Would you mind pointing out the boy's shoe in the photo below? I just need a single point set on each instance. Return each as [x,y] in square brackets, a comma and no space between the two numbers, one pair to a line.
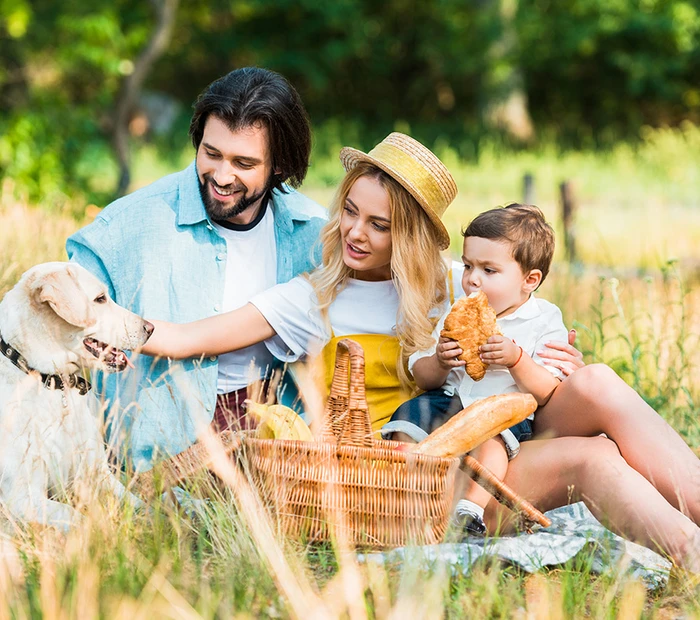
[474,526]
[467,519]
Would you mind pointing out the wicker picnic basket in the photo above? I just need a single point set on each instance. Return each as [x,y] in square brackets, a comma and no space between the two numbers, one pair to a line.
[348,484]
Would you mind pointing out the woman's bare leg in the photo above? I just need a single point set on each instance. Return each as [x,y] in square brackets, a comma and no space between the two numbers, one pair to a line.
[556,472]
[595,400]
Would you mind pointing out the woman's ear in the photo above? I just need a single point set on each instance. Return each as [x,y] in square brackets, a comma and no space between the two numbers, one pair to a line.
[532,280]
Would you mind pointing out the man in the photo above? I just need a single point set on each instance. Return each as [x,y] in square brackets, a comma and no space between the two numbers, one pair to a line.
[203,241]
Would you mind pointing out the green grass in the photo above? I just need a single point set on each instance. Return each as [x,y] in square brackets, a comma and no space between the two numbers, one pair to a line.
[633,309]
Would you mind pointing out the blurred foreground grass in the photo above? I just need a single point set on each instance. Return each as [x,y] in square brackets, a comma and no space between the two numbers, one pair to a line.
[633,309]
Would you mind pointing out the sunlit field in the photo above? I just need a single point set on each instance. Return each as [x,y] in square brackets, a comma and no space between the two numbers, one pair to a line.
[634,298]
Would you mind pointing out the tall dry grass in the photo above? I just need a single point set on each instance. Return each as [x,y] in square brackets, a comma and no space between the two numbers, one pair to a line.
[28,236]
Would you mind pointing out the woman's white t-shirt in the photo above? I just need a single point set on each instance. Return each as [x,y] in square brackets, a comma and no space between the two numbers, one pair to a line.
[292,310]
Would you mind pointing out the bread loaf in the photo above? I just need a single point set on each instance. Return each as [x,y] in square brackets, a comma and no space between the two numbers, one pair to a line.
[477,423]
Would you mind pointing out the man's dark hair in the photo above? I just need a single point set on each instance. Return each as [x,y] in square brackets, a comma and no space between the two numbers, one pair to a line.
[252,96]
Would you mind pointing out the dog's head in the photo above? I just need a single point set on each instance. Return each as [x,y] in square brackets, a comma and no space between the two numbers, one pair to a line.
[60,318]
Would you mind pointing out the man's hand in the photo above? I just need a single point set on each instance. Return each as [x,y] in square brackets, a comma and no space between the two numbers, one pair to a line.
[499,350]
[563,356]
[447,353]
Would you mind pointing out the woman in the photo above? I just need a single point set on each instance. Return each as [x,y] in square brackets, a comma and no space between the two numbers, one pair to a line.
[382,282]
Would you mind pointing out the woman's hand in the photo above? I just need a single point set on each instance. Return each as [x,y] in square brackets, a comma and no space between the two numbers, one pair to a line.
[500,350]
[447,353]
[563,356]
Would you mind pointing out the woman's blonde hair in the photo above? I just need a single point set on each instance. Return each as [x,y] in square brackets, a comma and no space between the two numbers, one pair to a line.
[417,269]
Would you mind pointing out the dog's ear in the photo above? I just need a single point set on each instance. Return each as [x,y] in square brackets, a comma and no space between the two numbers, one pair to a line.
[61,291]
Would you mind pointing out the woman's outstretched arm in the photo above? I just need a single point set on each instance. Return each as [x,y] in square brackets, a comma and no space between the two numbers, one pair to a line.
[215,335]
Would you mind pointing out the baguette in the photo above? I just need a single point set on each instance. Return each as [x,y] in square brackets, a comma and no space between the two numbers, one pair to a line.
[477,423]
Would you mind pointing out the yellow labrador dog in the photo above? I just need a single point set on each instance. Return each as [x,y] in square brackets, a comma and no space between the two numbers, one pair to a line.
[57,321]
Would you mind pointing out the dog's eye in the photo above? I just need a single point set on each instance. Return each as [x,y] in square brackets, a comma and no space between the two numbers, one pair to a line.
[101,299]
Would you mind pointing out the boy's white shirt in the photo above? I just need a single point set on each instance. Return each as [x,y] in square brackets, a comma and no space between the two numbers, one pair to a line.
[532,325]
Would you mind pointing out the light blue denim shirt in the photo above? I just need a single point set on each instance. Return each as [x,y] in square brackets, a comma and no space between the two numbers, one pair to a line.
[161,258]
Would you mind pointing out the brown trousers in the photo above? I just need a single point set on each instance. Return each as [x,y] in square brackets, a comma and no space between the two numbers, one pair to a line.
[231,410]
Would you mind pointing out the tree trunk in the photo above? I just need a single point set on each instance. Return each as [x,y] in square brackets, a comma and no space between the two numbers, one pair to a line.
[506,106]
[166,11]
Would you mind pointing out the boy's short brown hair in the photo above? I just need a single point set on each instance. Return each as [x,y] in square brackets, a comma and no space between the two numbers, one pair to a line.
[524,227]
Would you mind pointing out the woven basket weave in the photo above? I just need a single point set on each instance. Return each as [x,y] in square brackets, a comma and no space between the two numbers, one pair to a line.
[347,483]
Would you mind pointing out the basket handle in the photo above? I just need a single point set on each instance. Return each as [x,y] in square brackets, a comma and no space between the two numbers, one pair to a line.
[501,491]
[347,414]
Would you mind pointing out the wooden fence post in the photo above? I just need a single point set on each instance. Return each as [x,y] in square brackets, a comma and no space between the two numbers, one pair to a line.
[568,209]
[528,189]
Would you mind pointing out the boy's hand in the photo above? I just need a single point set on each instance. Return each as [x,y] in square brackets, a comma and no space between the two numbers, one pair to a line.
[447,353]
[499,350]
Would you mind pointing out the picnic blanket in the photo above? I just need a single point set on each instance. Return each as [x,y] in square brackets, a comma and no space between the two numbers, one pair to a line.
[574,531]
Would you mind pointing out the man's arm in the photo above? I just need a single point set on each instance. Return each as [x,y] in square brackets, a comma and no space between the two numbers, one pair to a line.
[81,251]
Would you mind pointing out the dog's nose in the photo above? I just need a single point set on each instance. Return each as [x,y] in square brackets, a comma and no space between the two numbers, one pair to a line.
[148,328]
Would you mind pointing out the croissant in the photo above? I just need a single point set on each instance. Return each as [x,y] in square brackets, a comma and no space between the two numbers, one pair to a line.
[471,322]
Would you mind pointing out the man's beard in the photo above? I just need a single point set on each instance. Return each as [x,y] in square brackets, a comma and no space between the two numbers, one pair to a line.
[218,210]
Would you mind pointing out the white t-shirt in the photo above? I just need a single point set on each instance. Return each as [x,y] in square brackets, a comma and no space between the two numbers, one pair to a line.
[251,267]
[532,325]
[292,311]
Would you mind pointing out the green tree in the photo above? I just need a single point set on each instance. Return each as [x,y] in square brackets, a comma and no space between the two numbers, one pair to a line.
[68,60]
[597,70]
[586,72]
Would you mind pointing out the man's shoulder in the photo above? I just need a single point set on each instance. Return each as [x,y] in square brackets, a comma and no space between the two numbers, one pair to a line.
[163,191]
[299,206]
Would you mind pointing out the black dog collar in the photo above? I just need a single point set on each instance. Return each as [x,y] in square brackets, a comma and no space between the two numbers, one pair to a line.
[51,382]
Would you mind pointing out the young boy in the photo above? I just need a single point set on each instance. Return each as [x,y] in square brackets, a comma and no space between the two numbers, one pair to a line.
[507,255]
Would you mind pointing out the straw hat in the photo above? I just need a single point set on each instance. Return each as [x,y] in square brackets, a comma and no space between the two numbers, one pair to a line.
[417,169]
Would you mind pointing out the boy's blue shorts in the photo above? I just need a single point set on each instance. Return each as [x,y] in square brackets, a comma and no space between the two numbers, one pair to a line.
[522,430]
